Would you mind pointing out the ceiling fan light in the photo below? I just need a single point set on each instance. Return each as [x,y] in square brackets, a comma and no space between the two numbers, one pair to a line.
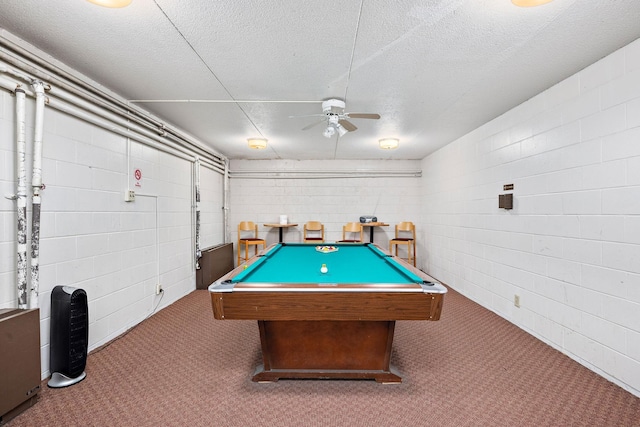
[111,3]
[329,132]
[530,3]
[341,130]
[389,143]
[257,143]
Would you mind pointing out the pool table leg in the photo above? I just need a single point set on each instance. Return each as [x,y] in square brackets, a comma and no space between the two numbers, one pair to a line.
[326,349]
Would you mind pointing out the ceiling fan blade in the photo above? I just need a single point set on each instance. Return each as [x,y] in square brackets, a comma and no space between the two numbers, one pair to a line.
[308,115]
[312,125]
[363,116]
[348,125]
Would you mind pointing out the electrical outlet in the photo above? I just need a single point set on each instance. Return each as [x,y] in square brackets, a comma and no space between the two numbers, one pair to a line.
[129,195]
[158,289]
[516,300]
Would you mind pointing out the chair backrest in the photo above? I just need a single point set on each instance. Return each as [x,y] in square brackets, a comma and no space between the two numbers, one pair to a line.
[246,226]
[316,228]
[405,227]
[351,228]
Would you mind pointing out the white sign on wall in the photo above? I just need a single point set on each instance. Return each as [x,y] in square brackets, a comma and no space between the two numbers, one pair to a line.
[137,176]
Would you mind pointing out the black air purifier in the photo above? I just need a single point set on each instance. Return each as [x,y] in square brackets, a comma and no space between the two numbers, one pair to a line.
[69,336]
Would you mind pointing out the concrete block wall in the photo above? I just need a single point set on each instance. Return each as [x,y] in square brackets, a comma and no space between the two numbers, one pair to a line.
[90,237]
[332,201]
[570,248]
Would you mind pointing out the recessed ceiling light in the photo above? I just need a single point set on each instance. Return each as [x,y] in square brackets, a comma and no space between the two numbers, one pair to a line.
[530,3]
[257,143]
[389,143]
[111,3]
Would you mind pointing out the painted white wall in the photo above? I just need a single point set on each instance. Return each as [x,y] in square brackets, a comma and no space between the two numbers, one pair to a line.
[90,237]
[570,248]
[332,201]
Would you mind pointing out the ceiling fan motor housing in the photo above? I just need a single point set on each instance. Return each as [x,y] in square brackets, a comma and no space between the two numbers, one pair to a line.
[335,106]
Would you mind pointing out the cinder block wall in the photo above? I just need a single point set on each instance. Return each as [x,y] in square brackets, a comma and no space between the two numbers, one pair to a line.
[90,237]
[570,248]
[332,201]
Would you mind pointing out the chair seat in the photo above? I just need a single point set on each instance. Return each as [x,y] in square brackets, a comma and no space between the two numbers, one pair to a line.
[251,239]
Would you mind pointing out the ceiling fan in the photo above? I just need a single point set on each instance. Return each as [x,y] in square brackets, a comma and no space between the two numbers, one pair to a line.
[335,117]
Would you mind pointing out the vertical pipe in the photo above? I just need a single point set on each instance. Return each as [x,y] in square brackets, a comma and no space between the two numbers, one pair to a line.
[36,185]
[21,198]
[225,201]
[197,188]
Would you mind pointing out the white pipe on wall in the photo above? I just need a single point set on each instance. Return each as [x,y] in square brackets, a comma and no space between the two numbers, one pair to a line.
[36,185]
[326,174]
[156,131]
[21,198]
[112,122]
[124,121]
[131,128]
[44,70]
[197,190]
[98,121]
[225,201]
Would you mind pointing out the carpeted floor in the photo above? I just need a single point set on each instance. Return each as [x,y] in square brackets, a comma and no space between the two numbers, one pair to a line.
[472,368]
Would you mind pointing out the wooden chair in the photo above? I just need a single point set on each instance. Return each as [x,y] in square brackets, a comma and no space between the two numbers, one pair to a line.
[313,232]
[405,235]
[248,236]
[352,233]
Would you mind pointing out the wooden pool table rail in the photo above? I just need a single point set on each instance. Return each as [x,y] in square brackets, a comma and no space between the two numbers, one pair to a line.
[326,305]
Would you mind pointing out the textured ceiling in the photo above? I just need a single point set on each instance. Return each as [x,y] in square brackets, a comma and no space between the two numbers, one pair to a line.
[225,71]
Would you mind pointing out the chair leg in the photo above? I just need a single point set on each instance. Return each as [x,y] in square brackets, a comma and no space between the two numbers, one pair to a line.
[414,253]
[411,254]
[246,253]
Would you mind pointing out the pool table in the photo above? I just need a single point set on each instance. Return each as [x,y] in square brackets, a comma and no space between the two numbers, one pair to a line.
[337,323]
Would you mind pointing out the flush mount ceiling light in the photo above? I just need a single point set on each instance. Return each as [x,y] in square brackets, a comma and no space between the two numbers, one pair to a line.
[111,3]
[257,143]
[530,3]
[389,143]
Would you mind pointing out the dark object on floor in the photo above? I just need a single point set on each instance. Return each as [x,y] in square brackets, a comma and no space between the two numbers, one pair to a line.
[69,336]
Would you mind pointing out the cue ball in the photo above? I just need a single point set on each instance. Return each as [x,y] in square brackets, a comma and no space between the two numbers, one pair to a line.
[324,269]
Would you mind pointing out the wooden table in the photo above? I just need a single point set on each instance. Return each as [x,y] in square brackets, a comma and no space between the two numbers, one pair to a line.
[280,227]
[371,225]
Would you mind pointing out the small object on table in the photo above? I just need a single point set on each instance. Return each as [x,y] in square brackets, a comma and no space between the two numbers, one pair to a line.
[326,249]
[324,269]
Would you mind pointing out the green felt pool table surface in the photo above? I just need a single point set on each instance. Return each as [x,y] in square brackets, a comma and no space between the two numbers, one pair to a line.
[349,263]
